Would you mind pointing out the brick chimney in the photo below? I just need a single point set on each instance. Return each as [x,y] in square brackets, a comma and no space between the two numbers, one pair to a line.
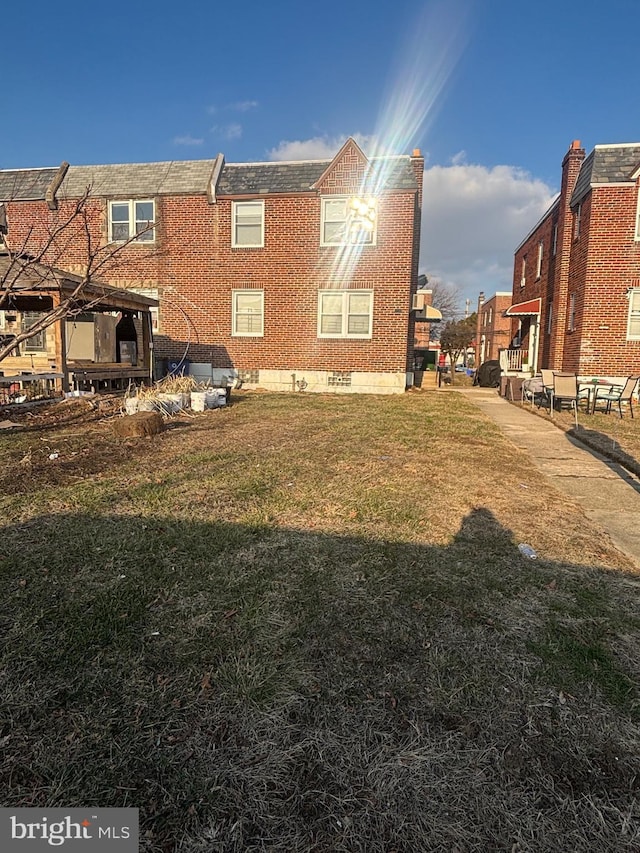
[571,165]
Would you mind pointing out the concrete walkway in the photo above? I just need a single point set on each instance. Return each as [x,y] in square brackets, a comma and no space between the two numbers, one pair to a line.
[609,494]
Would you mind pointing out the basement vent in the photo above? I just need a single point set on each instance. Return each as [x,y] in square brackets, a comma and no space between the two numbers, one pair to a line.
[251,377]
[339,377]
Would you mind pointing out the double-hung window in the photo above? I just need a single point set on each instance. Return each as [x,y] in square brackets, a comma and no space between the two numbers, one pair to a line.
[37,342]
[633,319]
[539,261]
[132,220]
[248,313]
[152,293]
[347,220]
[345,313]
[577,220]
[247,230]
[571,326]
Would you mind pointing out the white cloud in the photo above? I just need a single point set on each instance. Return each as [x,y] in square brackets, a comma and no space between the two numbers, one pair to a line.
[473,219]
[227,131]
[242,106]
[187,139]
[318,148]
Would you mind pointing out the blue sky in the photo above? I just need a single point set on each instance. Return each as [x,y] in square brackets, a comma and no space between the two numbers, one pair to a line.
[492,91]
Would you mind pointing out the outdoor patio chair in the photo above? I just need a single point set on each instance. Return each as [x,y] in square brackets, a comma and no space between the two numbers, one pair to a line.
[617,394]
[547,387]
[533,391]
[566,392]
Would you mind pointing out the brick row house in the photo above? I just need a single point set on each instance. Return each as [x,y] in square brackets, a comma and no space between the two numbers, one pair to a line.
[576,287]
[288,276]
[493,328]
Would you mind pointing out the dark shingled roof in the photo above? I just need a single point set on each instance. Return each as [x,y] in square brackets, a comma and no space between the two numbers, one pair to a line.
[300,176]
[25,184]
[192,177]
[606,164]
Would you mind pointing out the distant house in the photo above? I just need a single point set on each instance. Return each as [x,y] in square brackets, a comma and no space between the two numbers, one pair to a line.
[288,276]
[576,287]
[493,329]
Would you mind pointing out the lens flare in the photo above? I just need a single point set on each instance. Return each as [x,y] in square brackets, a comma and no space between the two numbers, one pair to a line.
[426,60]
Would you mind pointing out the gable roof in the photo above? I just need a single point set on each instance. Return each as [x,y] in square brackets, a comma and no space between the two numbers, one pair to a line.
[606,164]
[195,177]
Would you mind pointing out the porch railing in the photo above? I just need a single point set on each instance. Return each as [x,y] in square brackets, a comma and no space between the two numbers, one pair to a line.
[511,359]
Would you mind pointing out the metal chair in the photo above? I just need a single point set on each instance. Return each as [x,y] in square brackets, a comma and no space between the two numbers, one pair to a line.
[617,394]
[566,391]
[547,387]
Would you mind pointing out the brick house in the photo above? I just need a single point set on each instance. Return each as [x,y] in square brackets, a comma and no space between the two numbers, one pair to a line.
[288,276]
[576,286]
[493,329]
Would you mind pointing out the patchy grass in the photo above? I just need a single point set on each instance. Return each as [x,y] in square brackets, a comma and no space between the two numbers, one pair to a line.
[615,437]
[303,624]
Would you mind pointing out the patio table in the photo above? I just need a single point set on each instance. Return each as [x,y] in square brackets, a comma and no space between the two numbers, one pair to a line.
[592,386]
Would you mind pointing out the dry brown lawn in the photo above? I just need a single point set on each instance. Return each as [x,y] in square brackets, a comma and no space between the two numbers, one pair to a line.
[303,624]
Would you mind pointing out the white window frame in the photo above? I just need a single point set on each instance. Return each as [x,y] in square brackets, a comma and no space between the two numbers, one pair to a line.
[571,325]
[633,314]
[365,238]
[236,312]
[149,233]
[152,293]
[539,261]
[637,235]
[238,208]
[523,272]
[345,313]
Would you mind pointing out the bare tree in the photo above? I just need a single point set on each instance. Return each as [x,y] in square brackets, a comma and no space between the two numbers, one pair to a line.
[456,336]
[38,259]
[446,298]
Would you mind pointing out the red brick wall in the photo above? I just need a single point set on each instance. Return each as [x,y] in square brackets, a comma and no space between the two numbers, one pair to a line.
[605,261]
[495,328]
[196,270]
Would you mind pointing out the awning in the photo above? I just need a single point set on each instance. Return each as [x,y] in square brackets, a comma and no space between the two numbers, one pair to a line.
[525,309]
[429,314]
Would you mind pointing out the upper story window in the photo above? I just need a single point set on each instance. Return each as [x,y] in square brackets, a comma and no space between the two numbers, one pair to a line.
[248,313]
[490,316]
[347,220]
[571,326]
[247,230]
[523,271]
[345,313]
[539,261]
[132,220]
[638,218]
[633,319]
[577,220]
[554,240]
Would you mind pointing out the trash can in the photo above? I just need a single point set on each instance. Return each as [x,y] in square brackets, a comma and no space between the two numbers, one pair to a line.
[177,367]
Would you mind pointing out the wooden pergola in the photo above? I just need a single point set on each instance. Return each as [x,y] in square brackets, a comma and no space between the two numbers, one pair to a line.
[37,288]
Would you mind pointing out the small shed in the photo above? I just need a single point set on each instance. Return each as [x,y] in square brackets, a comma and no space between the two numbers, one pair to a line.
[103,337]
